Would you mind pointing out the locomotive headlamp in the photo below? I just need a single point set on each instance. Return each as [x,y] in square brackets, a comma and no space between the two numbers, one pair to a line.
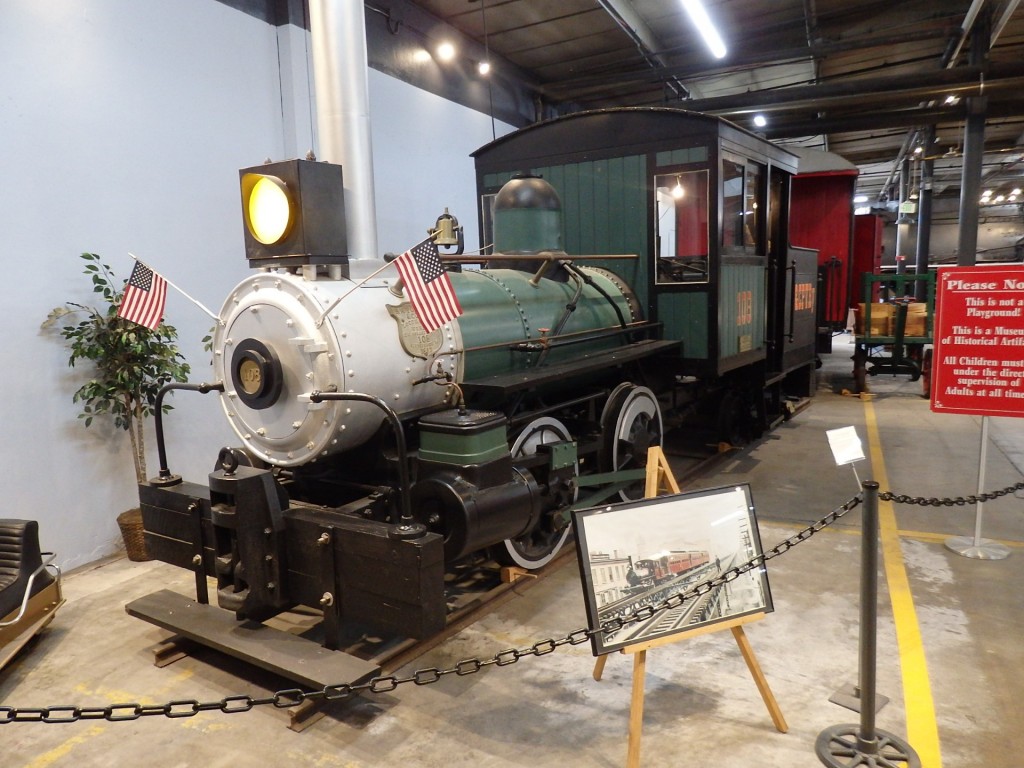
[269,213]
[294,213]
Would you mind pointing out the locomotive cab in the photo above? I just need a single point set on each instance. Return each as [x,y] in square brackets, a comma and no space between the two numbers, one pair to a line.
[693,212]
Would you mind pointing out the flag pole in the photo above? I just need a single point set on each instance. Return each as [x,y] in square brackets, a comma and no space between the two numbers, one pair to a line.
[337,301]
[194,301]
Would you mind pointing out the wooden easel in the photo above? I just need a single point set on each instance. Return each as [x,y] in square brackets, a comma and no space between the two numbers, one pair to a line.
[659,476]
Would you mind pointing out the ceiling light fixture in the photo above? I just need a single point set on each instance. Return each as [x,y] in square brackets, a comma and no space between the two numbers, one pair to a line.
[707,30]
[760,121]
[446,51]
[484,67]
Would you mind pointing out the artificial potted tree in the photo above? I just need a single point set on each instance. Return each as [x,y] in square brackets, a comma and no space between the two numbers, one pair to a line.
[131,362]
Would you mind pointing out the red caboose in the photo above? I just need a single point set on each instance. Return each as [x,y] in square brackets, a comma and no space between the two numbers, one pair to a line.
[676,563]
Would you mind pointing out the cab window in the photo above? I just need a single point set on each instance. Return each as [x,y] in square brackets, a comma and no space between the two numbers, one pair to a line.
[681,227]
[743,207]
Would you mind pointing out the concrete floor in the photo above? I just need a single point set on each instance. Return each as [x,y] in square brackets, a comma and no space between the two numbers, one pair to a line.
[955,696]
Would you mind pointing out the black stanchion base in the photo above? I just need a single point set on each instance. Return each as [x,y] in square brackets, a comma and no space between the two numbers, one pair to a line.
[842,747]
[849,696]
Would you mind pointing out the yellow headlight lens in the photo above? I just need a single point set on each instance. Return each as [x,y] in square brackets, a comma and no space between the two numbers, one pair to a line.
[270,210]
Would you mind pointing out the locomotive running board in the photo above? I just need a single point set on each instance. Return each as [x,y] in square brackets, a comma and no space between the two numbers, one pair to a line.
[290,656]
[505,384]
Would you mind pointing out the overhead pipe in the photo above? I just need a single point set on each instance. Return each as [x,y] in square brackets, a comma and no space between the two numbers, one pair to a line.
[811,34]
[948,59]
[1008,11]
[338,35]
[623,14]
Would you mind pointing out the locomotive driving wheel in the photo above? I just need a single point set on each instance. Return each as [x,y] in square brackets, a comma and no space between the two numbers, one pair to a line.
[535,548]
[631,424]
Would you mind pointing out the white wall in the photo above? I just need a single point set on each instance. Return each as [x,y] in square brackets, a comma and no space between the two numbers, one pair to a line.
[123,124]
[421,147]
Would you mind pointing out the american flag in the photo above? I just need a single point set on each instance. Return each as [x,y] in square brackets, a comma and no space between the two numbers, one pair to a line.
[144,297]
[427,285]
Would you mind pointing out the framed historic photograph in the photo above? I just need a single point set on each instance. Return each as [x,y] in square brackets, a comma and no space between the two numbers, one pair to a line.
[639,553]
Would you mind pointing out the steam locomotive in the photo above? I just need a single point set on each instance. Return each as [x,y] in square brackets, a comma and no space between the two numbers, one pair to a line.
[637,276]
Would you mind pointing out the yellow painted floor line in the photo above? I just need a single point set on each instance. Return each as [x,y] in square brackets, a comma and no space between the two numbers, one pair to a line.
[940,538]
[922,730]
[51,756]
[929,536]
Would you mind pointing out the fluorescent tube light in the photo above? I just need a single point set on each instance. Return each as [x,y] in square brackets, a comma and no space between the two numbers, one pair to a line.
[707,30]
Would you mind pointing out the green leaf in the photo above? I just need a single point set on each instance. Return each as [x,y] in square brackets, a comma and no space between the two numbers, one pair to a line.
[130,363]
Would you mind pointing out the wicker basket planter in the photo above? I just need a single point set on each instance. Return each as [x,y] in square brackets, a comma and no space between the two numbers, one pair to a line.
[130,523]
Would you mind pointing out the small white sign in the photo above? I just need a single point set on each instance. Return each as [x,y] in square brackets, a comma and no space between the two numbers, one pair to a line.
[845,445]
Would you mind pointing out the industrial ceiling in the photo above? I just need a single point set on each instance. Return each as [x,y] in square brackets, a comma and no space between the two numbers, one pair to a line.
[864,79]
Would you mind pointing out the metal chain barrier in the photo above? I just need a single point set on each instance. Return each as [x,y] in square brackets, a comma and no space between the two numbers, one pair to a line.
[291,697]
[959,501]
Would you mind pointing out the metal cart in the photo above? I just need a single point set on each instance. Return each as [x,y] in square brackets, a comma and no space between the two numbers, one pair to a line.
[883,343]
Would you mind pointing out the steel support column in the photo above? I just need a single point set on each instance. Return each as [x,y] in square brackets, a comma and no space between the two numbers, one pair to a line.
[924,214]
[904,221]
[974,153]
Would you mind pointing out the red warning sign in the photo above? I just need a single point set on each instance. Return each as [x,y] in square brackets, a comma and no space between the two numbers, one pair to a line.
[978,360]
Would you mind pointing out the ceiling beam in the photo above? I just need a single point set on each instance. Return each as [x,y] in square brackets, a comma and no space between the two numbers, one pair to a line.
[743,60]
[965,81]
[800,126]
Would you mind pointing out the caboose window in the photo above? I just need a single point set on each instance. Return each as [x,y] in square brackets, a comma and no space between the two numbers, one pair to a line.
[733,207]
[753,206]
[487,216]
[681,227]
[743,207]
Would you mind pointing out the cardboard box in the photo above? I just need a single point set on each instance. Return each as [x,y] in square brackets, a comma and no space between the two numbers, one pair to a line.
[881,319]
[917,319]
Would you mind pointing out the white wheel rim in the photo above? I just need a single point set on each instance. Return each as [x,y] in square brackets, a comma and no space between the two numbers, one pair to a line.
[538,432]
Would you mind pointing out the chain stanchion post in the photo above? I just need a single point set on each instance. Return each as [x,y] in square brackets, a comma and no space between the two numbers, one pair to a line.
[846,746]
[976,547]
